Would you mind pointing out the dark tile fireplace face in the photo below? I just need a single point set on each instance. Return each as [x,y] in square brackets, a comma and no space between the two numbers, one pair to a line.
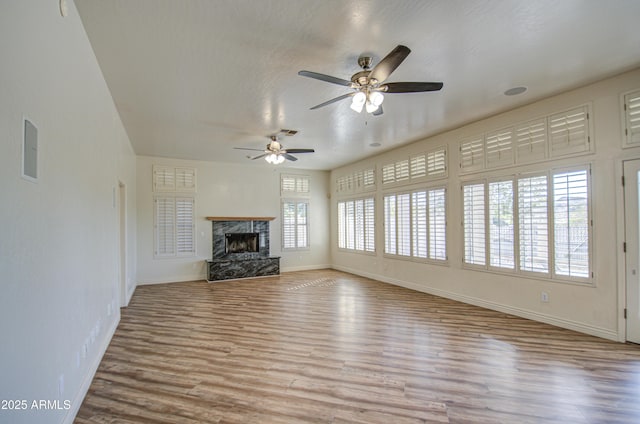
[242,242]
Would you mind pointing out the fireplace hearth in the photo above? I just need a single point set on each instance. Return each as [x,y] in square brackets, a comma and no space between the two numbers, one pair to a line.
[241,249]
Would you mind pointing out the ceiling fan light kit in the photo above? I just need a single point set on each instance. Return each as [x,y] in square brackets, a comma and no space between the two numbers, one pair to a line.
[275,153]
[369,84]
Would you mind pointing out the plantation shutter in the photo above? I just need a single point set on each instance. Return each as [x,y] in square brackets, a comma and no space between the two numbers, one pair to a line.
[185,179]
[632,118]
[388,173]
[342,242]
[185,226]
[437,224]
[501,253]
[419,227]
[165,226]
[351,233]
[418,166]
[499,148]
[402,170]
[571,224]
[369,225]
[302,185]
[288,225]
[403,218]
[474,224]
[531,141]
[472,154]
[569,132]
[533,225]
[437,163]
[369,178]
[390,242]
[163,178]
[359,224]
[302,236]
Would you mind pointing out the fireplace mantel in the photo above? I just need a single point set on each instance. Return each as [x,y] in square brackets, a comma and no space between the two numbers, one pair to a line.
[241,218]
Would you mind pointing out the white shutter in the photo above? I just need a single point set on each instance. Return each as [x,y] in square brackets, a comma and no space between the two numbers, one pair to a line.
[390,242]
[402,170]
[569,132]
[403,218]
[531,141]
[437,163]
[165,214]
[302,227]
[419,224]
[369,177]
[632,118]
[499,148]
[359,225]
[369,225]
[163,178]
[185,226]
[437,224]
[351,231]
[185,179]
[358,178]
[418,166]
[533,224]
[571,224]
[302,185]
[287,184]
[288,225]
[501,253]
[342,235]
[474,224]
[472,154]
[388,173]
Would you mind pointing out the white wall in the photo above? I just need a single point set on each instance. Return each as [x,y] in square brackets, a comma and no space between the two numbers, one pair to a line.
[59,239]
[590,309]
[230,190]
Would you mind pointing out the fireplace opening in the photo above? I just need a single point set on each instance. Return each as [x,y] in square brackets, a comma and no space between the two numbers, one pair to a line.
[242,242]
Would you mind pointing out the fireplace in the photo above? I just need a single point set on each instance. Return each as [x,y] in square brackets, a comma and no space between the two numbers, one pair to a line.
[241,242]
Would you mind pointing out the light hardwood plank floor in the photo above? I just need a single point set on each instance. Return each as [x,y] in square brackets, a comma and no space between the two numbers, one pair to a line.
[330,347]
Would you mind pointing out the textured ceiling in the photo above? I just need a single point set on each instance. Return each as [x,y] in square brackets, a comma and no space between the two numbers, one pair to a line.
[194,78]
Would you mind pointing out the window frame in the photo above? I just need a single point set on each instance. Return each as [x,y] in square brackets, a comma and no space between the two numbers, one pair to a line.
[368,229]
[160,253]
[296,225]
[551,224]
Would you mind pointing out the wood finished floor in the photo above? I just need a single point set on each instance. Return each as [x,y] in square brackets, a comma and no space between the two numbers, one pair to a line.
[329,347]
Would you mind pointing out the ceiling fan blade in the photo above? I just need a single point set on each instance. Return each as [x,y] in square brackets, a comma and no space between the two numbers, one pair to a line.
[378,111]
[300,150]
[386,66]
[288,156]
[259,156]
[323,77]
[246,148]
[410,87]
[328,102]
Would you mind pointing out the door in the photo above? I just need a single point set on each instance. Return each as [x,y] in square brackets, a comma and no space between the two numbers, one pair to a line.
[631,172]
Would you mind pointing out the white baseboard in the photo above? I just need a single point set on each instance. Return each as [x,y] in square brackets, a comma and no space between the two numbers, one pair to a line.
[305,268]
[524,313]
[174,279]
[93,368]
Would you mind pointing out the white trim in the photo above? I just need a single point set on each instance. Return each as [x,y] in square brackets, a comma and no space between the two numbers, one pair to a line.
[304,268]
[29,178]
[523,313]
[174,279]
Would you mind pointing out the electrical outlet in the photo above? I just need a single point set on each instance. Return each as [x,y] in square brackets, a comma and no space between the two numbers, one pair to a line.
[544,297]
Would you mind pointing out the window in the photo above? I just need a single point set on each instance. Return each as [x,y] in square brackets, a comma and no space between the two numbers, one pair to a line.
[548,212]
[356,223]
[631,106]
[174,226]
[295,224]
[415,224]
[174,218]
[295,212]
[430,166]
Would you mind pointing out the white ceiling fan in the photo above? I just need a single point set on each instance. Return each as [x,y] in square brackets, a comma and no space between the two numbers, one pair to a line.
[275,153]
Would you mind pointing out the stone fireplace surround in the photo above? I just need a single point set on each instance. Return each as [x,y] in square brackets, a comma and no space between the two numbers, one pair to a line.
[230,266]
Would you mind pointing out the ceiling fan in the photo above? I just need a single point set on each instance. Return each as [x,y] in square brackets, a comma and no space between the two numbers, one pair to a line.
[369,84]
[275,153]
